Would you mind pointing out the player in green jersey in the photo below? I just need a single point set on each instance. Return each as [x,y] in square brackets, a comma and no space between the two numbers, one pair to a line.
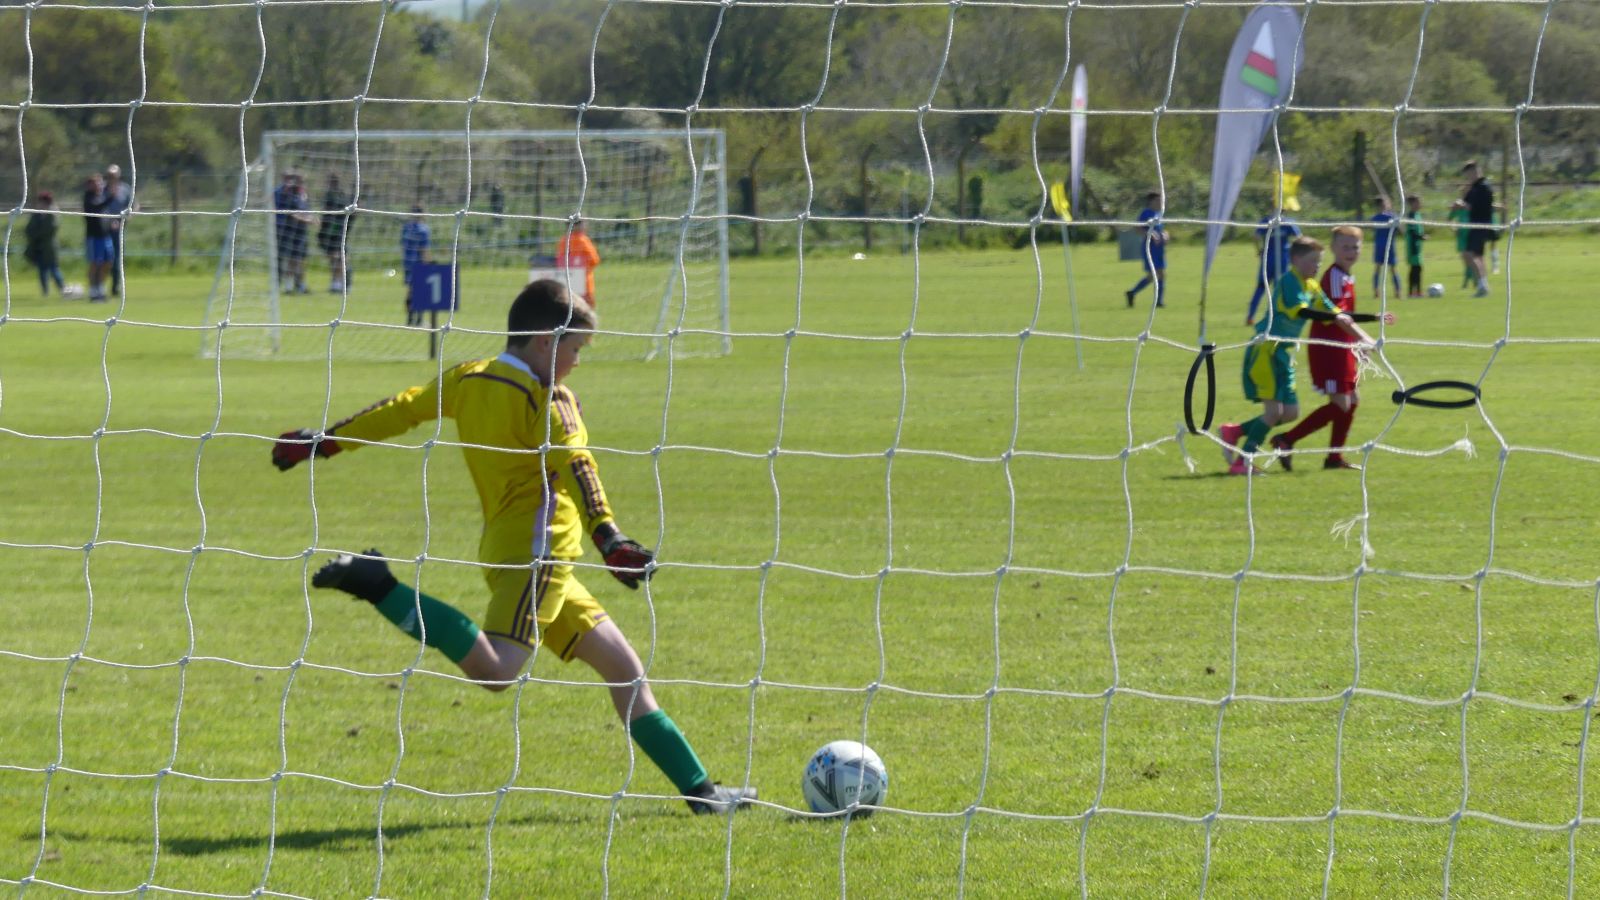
[1269,360]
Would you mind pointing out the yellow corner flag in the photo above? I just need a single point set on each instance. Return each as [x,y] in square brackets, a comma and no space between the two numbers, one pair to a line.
[1058,201]
[1289,192]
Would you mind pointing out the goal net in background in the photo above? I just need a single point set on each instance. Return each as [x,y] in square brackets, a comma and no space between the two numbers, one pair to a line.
[497,204]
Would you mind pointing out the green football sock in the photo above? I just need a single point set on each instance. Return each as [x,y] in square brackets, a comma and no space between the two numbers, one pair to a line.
[1255,431]
[448,629]
[658,736]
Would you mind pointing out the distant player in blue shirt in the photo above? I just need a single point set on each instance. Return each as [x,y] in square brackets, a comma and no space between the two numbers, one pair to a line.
[1272,246]
[1385,228]
[414,240]
[1155,250]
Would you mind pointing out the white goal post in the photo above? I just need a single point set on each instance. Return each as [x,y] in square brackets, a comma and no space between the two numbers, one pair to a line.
[313,249]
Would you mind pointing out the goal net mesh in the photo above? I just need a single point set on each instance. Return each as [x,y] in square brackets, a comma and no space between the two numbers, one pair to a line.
[922,506]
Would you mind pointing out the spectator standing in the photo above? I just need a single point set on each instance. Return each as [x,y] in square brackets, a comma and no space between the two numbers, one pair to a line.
[576,251]
[41,247]
[119,199]
[334,234]
[415,239]
[1478,199]
[293,224]
[96,239]
[497,203]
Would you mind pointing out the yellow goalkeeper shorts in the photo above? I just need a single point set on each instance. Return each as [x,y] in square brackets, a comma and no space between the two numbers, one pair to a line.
[542,603]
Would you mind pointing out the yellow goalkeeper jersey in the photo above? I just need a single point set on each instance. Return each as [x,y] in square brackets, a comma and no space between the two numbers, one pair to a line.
[534,501]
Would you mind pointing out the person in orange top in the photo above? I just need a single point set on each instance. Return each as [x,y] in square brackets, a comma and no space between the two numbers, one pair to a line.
[575,250]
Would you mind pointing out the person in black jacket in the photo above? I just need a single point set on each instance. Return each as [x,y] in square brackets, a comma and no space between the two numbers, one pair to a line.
[333,234]
[41,247]
[1478,201]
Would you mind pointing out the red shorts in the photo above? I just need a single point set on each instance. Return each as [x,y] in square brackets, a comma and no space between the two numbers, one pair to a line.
[1334,370]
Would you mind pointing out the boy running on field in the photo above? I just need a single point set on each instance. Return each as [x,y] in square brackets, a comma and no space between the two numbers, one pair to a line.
[1155,251]
[527,448]
[1335,368]
[1269,360]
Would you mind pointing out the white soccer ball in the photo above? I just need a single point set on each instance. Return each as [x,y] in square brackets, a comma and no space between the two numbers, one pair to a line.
[1436,290]
[843,774]
[859,256]
[71,291]
[389,273]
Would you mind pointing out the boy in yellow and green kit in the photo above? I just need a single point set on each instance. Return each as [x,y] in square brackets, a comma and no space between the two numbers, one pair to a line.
[527,448]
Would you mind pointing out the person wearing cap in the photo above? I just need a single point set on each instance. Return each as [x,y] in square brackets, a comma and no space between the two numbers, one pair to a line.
[1478,201]
[41,247]
[118,201]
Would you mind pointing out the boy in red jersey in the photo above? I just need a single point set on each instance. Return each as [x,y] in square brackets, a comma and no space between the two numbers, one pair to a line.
[1335,368]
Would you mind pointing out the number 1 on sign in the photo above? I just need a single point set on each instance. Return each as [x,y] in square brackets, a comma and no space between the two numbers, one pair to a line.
[433,287]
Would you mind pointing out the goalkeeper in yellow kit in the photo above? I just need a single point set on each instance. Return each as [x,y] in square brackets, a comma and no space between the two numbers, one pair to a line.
[527,448]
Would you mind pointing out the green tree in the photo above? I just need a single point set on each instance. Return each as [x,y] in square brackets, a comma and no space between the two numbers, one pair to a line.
[95,64]
[658,55]
[311,68]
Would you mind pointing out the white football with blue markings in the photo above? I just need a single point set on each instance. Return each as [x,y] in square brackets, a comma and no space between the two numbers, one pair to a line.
[844,776]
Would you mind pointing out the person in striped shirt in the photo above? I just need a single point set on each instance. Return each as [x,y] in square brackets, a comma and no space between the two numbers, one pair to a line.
[527,449]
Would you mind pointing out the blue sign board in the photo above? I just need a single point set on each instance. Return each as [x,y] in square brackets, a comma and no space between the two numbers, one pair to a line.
[433,287]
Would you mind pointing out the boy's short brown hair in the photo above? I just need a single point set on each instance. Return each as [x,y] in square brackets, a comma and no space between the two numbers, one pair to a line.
[1303,245]
[543,307]
[1347,231]
[1413,198]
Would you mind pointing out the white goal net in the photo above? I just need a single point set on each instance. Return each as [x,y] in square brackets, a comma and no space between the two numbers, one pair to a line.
[316,239]
[941,501]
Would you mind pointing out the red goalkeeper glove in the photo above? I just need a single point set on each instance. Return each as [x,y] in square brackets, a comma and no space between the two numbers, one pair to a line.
[295,447]
[627,559]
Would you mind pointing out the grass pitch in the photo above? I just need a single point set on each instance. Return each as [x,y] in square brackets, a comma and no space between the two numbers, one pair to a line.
[1084,664]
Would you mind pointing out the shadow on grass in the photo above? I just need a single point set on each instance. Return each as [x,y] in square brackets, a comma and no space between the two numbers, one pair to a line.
[304,839]
[324,838]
